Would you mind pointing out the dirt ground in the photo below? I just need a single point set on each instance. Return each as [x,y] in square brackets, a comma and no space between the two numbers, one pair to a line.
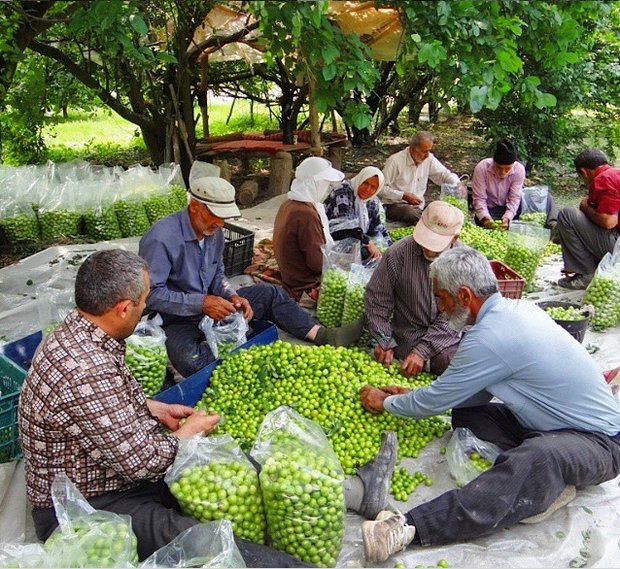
[457,146]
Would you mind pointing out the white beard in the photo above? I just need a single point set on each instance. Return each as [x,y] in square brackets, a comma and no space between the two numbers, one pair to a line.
[459,319]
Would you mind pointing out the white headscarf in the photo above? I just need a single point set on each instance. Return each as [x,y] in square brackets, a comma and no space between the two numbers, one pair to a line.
[360,204]
[310,186]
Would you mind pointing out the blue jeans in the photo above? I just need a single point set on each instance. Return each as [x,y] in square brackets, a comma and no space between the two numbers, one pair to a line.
[526,478]
[185,341]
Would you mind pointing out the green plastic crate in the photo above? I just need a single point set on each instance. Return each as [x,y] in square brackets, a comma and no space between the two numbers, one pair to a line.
[11,379]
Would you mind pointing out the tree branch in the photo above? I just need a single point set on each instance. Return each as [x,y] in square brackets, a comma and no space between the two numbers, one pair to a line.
[218,41]
[89,81]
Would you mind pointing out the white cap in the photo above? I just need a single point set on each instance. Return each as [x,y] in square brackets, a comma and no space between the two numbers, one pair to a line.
[316,168]
[217,194]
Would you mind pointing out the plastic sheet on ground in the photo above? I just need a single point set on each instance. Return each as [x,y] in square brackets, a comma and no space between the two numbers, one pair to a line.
[583,534]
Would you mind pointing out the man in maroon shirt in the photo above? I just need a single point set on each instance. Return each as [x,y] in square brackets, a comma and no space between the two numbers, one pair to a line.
[589,232]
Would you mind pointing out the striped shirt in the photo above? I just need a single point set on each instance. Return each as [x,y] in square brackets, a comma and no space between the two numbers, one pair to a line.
[400,306]
[82,413]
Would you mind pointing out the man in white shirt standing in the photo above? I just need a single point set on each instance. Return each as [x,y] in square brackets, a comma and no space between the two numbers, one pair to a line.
[406,176]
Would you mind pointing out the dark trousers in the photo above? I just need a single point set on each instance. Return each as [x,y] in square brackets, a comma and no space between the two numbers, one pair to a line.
[156,520]
[407,213]
[552,213]
[583,243]
[497,212]
[185,341]
[526,478]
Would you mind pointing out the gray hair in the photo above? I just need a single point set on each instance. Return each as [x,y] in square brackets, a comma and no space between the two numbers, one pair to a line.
[107,277]
[464,267]
[420,136]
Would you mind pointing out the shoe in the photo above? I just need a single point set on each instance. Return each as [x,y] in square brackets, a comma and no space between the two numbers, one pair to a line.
[376,475]
[576,282]
[343,336]
[387,535]
[567,495]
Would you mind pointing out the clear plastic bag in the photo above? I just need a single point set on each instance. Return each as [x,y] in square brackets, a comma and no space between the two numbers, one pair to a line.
[87,537]
[23,555]
[534,199]
[203,545]
[303,487]
[170,177]
[58,210]
[526,243]
[337,261]
[456,195]
[468,456]
[100,219]
[130,212]
[224,336]
[603,292]
[212,479]
[146,355]
[359,276]
[53,305]
[18,221]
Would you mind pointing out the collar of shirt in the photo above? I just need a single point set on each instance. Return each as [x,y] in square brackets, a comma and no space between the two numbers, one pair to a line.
[488,304]
[187,231]
[98,336]
[598,172]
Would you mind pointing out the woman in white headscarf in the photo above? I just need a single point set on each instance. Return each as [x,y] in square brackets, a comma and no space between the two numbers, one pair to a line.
[354,210]
[301,227]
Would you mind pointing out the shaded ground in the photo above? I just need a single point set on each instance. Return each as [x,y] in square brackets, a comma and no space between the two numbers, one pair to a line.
[457,146]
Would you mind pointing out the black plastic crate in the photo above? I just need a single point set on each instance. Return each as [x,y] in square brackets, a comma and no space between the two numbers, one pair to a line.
[11,379]
[238,250]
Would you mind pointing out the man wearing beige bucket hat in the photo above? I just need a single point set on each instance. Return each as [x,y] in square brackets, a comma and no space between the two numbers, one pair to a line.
[184,252]
[401,313]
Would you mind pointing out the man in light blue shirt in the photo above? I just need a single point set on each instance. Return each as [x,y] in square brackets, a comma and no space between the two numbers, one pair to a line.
[184,252]
[558,424]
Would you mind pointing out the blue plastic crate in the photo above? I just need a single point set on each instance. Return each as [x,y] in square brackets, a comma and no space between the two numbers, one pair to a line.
[22,351]
[11,380]
[190,390]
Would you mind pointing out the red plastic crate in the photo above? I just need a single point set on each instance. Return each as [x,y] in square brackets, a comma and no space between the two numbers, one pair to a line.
[510,282]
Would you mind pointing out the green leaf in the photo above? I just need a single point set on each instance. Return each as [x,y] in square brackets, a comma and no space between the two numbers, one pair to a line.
[166,57]
[138,24]
[329,72]
[330,53]
[477,98]
[360,120]
[432,53]
[416,38]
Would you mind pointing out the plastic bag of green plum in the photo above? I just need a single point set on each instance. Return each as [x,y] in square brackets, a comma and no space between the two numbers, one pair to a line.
[526,243]
[468,456]
[146,356]
[224,336]
[603,292]
[212,479]
[356,291]
[87,537]
[337,261]
[203,545]
[303,487]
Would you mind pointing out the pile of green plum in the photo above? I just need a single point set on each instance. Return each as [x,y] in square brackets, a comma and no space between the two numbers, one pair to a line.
[354,303]
[461,203]
[157,206]
[480,463]
[59,223]
[20,228]
[94,543]
[330,304]
[303,493]
[223,490]
[321,384]
[569,314]
[101,224]
[539,218]
[401,232]
[146,358]
[403,483]
[523,255]
[131,216]
[491,243]
[604,294]
[177,197]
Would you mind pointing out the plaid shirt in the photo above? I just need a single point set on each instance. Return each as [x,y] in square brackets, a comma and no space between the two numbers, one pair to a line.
[81,412]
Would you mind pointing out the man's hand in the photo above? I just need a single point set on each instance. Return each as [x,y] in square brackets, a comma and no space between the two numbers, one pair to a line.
[373,398]
[197,422]
[373,252]
[242,303]
[488,223]
[583,204]
[395,389]
[412,364]
[411,199]
[505,224]
[217,307]
[168,415]
[384,356]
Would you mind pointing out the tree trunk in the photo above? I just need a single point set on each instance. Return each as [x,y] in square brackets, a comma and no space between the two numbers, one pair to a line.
[154,136]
